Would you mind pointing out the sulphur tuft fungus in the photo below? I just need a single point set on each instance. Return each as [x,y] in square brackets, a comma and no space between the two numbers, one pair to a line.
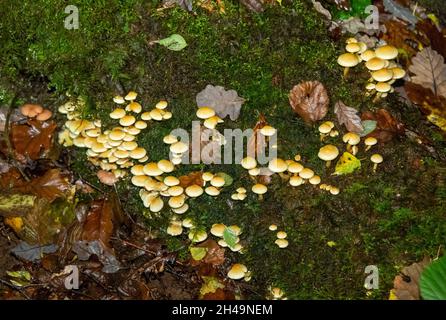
[376,159]
[237,271]
[328,153]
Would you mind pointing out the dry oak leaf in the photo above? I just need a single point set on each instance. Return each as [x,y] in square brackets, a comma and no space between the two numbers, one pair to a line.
[349,117]
[406,286]
[99,222]
[224,102]
[192,178]
[33,139]
[387,127]
[429,71]
[309,100]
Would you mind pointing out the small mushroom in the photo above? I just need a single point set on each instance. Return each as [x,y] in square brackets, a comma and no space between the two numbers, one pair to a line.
[272,227]
[328,153]
[259,189]
[281,243]
[369,142]
[348,60]
[237,271]
[44,115]
[376,159]
[248,163]
[351,139]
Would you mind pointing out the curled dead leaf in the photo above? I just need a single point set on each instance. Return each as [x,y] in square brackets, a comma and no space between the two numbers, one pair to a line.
[387,127]
[191,178]
[349,117]
[309,100]
[107,177]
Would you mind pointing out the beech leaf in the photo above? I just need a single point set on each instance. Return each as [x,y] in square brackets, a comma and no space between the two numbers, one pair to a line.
[309,100]
[407,285]
[349,117]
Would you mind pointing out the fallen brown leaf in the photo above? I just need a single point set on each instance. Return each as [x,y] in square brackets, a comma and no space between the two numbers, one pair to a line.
[257,141]
[406,285]
[191,178]
[349,117]
[309,100]
[98,223]
[435,37]
[387,127]
[33,139]
[215,254]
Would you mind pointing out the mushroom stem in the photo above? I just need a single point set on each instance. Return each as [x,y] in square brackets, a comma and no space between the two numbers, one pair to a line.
[374,167]
[260,197]
[354,150]
[349,147]
[367,148]
[346,70]
[328,164]
[323,136]
[377,97]
[283,176]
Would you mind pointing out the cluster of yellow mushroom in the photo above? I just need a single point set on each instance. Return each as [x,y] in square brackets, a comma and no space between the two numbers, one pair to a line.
[195,235]
[36,111]
[329,152]
[327,129]
[218,229]
[281,241]
[240,194]
[332,189]
[380,62]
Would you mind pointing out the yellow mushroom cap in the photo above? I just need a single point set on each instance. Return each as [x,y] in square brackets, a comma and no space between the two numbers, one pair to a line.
[367,55]
[241,190]
[296,181]
[217,229]
[197,235]
[352,47]
[375,64]
[138,153]
[155,114]
[222,243]
[277,165]
[306,173]
[171,181]
[161,105]
[118,99]
[328,152]
[175,191]
[174,230]
[254,172]
[376,158]
[277,293]
[140,125]
[170,139]
[383,87]
[351,40]
[166,166]
[121,154]
[137,170]
[370,86]
[398,73]
[98,147]
[259,188]
[93,133]
[236,230]
[167,115]
[362,46]
[387,52]
[131,96]
[207,176]
[188,223]
[237,271]
[116,135]
[118,113]
[217,181]
[351,138]
[281,243]
[177,201]
[134,107]
[370,141]
[205,112]
[248,163]
[181,209]
[129,145]
[146,116]
[127,120]
[324,128]
[295,167]
[179,147]
[212,191]
[281,235]
[334,190]
[272,227]
[348,60]
[382,75]
[268,131]
[156,205]
[194,191]
[211,122]
[314,180]
[139,181]
[151,169]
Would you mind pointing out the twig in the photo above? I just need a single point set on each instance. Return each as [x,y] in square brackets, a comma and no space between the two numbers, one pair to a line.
[6,283]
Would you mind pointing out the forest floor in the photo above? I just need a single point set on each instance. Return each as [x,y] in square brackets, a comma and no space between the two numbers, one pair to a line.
[390,218]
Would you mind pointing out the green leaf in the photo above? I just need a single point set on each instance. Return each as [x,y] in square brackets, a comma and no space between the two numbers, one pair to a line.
[357,10]
[369,126]
[347,163]
[198,253]
[19,275]
[16,204]
[175,42]
[210,285]
[228,179]
[230,237]
[433,281]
